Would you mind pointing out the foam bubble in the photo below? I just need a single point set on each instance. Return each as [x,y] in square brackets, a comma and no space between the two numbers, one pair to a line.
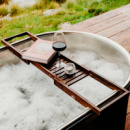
[29,100]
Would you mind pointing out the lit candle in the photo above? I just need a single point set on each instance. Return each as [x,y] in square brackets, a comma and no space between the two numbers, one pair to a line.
[70,68]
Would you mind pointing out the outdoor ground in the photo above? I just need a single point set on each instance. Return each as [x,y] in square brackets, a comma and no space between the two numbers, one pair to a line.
[31,18]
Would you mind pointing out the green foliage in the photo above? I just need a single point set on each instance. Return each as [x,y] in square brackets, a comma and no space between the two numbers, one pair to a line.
[3,10]
[1,24]
[61,12]
[78,8]
[70,4]
[72,11]
[40,4]
[4,1]
[95,4]
[14,10]
[56,23]
[53,5]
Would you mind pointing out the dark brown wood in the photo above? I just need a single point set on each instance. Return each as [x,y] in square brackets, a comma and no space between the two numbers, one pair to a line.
[76,79]
[18,53]
[128,108]
[114,100]
[63,81]
[127,127]
[106,82]
[76,96]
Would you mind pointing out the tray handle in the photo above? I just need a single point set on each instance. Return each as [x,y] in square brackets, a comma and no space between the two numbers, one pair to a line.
[20,35]
[13,49]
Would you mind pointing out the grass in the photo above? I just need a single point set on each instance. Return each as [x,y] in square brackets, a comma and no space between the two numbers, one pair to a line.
[53,5]
[32,19]
[40,4]
[3,10]
[70,4]
[14,10]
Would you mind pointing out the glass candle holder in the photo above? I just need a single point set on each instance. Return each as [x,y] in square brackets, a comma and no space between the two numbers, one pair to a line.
[69,68]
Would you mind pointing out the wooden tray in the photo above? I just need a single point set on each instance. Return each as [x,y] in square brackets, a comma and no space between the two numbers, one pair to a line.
[64,82]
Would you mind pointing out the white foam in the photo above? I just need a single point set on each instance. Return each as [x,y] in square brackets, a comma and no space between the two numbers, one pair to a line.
[29,100]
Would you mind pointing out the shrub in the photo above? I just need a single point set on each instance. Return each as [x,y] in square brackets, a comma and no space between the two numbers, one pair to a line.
[53,5]
[95,4]
[14,10]
[61,12]
[79,8]
[3,10]
[70,4]
[56,23]
[40,4]
[4,1]
[99,11]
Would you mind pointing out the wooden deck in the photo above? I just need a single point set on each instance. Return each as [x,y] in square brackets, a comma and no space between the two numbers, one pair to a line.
[115,25]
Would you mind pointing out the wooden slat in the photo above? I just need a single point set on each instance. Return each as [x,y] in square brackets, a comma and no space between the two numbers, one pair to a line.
[53,65]
[122,36]
[67,78]
[128,109]
[64,74]
[59,72]
[108,23]
[127,46]
[73,77]
[57,69]
[115,29]
[76,79]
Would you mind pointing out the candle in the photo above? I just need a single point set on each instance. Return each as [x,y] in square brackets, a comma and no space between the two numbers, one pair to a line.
[70,68]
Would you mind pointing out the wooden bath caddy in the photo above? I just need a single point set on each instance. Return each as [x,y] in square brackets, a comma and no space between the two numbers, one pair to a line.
[64,82]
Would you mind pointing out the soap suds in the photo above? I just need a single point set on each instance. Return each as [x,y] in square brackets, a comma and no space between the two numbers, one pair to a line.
[29,100]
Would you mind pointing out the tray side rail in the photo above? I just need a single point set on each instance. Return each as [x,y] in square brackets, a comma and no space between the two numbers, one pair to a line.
[15,51]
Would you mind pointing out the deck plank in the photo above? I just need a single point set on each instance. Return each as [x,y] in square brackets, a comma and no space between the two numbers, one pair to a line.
[127,126]
[108,23]
[128,109]
[115,29]
[121,37]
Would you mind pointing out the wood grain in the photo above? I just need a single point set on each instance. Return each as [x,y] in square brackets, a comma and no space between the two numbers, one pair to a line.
[115,29]
[128,108]
[121,37]
[127,126]
[107,23]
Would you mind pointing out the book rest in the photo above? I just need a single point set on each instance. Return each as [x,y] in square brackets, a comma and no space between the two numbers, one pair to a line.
[64,82]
